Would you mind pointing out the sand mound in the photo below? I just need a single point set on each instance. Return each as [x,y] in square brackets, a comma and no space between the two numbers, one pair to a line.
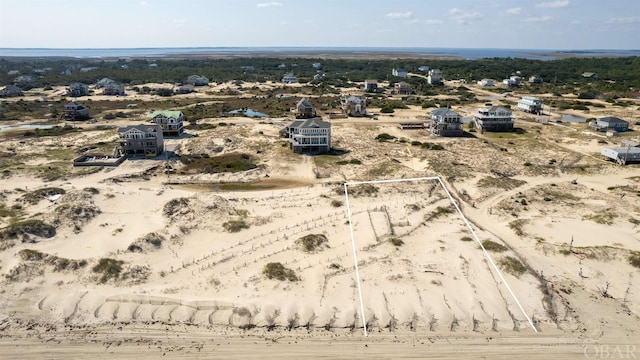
[75,209]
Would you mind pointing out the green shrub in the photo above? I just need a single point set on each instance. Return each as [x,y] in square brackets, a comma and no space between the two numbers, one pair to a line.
[438,212]
[396,242]
[493,246]
[634,259]
[466,238]
[512,266]
[385,137]
[31,227]
[312,242]
[277,271]
[109,268]
[34,197]
[336,203]
[235,225]
[30,255]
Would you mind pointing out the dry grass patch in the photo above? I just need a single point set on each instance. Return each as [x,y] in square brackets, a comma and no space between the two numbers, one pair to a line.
[313,243]
[512,265]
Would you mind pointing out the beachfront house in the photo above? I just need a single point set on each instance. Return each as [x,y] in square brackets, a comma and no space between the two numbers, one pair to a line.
[10,90]
[370,86]
[140,140]
[186,89]
[535,79]
[628,152]
[446,122]
[423,68]
[309,135]
[77,90]
[198,80]
[171,122]
[102,82]
[530,104]
[435,77]
[399,72]
[354,105]
[609,123]
[486,82]
[24,80]
[589,75]
[113,88]
[304,109]
[289,78]
[74,111]
[513,81]
[317,66]
[495,118]
[402,88]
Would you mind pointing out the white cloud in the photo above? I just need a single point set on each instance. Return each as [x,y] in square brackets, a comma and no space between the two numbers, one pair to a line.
[145,3]
[432,22]
[462,16]
[269,4]
[625,20]
[398,15]
[538,19]
[514,11]
[553,4]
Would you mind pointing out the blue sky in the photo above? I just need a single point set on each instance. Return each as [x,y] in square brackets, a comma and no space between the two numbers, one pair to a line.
[531,24]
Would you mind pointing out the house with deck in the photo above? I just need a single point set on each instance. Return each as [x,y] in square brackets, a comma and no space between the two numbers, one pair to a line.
[495,118]
[74,111]
[198,80]
[370,86]
[399,72]
[530,104]
[535,79]
[171,122]
[308,135]
[354,105]
[446,122]
[11,90]
[486,82]
[289,78]
[402,88]
[435,77]
[77,90]
[140,140]
[609,123]
[304,109]
[628,152]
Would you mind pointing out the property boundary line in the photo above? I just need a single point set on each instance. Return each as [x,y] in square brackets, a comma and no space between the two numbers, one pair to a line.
[467,223]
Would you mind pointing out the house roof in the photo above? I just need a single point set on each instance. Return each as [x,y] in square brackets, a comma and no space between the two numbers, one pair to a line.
[443,111]
[166,113]
[613,120]
[496,109]
[304,102]
[141,127]
[371,81]
[311,123]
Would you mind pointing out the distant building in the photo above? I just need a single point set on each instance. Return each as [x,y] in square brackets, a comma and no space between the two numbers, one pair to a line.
[354,105]
[317,66]
[74,111]
[370,86]
[568,118]
[446,122]
[423,68]
[77,90]
[628,153]
[289,78]
[304,109]
[171,122]
[486,82]
[11,90]
[198,80]
[435,77]
[310,135]
[610,123]
[495,118]
[113,88]
[530,104]
[136,140]
[102,82]
[402,88]
[589,75]
[536,79]
[24,80]
[318,77]
[186,89]
[513,81]
[13,72]
[248,68]
[399,72]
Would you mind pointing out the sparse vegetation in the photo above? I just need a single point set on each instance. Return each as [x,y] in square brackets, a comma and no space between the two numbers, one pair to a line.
[361,190]
[336,203]
[109,269]
[28,227]
[233,226]
[312,242]
[634,259]
[396,242]
[438,212]
[493,246]
[466,238]
[385,137]
[518,226]
[34,197]
[512,265]
[202,163]
[277,271]
[175,206]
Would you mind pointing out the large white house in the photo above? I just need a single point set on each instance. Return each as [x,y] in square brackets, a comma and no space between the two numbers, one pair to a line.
[446,122]
[140,139]
[289,78]
[310,135]
[530,104]
[171,122]
[495,118]
[399,72]
[435,77]
[354,105]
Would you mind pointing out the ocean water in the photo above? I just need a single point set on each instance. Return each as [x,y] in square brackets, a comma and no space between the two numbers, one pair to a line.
[464,53]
